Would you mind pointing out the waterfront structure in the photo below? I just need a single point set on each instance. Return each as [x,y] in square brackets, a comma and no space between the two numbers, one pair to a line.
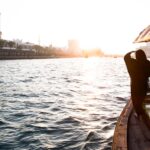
[27,46]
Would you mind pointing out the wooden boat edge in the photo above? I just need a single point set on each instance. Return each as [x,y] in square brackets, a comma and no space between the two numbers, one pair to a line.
[120,133]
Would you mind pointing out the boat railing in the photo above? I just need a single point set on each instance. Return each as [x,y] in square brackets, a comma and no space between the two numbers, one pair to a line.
[120,133]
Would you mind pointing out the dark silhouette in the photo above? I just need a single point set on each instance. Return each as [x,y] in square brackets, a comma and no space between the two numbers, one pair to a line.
[139,71]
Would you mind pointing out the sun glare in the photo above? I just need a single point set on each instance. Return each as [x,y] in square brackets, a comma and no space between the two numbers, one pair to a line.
[95,24]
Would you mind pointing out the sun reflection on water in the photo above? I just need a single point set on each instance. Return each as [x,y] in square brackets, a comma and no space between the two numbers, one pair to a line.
[62,106]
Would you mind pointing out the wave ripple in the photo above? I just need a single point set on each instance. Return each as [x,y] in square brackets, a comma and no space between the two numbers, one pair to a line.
[61,104]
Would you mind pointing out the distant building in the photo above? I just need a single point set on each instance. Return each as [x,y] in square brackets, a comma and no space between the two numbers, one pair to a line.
[27,46]
[18,41]
[73,46]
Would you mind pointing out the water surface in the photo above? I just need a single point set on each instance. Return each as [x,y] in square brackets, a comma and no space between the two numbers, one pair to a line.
[61,104]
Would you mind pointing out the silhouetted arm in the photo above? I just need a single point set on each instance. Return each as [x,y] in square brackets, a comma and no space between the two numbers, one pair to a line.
[129,61]
[127,57]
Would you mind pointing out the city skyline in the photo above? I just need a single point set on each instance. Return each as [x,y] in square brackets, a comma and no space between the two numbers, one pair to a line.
[109,25]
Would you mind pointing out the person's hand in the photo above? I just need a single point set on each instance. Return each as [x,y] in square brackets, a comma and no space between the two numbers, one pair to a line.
[129,53]
[132,52]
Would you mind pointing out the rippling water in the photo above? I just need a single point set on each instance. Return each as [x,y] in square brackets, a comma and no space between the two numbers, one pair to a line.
[61,104]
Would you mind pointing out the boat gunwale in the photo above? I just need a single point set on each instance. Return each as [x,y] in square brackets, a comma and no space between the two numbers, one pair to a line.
[121,129]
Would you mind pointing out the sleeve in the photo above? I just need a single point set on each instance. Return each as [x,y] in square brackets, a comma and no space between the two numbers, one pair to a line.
[129,62]
[127,58]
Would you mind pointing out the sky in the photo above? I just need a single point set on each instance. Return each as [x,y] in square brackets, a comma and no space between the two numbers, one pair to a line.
[111,25]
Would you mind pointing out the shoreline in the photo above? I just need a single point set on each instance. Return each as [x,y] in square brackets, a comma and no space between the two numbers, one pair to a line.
[10,54]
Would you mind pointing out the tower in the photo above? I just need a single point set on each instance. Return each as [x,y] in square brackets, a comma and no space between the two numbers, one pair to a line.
[73,46]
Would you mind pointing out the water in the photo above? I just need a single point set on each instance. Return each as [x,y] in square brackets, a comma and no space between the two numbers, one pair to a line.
[61,104]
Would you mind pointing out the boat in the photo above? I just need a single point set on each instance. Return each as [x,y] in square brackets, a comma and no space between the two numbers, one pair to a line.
[131,133]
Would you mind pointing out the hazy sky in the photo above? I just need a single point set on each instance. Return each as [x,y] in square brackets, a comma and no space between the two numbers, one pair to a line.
[108,24]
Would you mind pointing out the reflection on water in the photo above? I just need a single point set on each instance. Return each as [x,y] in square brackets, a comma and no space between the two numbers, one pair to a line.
[58,104]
